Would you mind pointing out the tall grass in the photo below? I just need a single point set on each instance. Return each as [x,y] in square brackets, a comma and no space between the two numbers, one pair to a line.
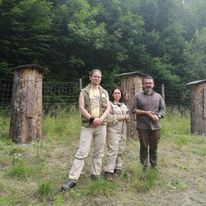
[64,129]
[32,174]
[175,123]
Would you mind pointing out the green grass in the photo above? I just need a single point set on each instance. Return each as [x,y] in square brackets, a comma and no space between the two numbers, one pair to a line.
[175,124]
[64,129]
[45,188]
[32,174]
[101,187]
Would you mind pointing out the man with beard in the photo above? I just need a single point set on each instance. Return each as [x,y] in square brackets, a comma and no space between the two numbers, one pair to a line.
[149,108]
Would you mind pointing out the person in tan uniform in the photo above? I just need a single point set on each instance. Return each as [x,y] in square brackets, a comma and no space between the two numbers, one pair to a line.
[94,108]
[116,134]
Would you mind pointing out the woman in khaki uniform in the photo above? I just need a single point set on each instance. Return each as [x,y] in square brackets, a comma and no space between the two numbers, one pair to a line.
[116,134]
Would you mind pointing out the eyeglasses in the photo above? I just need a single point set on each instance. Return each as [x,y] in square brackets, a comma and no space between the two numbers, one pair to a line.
[98,77]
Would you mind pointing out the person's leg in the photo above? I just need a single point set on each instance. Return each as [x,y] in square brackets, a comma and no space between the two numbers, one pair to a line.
[98,151]
[86,137]
[78,164]
[153,143]
[112,141]
[143,138]
[122,144]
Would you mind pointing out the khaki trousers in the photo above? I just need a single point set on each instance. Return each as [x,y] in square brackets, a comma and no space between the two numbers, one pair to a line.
[116,145]
[122,145]
[88,134]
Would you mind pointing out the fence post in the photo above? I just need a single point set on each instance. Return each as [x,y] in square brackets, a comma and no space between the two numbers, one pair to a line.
[163,91]
[80,83]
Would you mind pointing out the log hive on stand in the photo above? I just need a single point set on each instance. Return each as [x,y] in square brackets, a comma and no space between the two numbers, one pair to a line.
[198,107]
[26,108]
[131,83]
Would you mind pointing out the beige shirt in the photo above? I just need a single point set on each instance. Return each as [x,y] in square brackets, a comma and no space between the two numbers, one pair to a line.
[117,127]
[94,95]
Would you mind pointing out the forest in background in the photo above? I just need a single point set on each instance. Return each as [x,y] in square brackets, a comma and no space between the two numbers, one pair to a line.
[163,38]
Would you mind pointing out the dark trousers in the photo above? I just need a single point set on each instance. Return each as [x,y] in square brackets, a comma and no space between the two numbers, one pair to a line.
[148,140]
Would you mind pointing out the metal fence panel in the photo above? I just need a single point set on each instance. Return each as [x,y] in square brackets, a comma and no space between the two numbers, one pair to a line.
[60,96]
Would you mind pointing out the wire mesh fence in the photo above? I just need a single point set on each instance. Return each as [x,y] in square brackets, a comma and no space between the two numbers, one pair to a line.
[5,95]
[176,98]
[59,97]
[62,96]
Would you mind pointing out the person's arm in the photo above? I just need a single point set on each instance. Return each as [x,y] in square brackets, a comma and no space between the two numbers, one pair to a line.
[161,109]
[106,112]
[82,109]
[151,115]
[135,110]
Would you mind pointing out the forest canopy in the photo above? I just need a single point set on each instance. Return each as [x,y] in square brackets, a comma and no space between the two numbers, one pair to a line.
[163,38]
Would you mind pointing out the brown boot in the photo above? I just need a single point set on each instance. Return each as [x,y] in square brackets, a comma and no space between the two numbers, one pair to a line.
[109,176]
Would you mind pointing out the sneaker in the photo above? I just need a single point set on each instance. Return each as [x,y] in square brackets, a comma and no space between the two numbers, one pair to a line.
[118,171]
[68,185]
[109,176]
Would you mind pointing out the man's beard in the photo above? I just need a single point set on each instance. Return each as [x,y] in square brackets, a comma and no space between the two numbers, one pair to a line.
[148,90]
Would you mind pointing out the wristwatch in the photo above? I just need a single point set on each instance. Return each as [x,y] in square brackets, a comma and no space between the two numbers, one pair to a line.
[159,116]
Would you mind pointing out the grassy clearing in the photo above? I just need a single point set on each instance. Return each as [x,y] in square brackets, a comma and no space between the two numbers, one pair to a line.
[32,174]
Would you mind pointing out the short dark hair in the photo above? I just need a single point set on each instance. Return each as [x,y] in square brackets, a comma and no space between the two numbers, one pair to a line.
[147,77]
[122,96]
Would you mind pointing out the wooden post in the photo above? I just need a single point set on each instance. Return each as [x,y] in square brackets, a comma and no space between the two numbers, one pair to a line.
[26,108]
[163,91]
[80,83]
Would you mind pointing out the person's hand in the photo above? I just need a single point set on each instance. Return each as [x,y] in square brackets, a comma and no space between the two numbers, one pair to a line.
[155,118]
[152,116]
[126,117]
[97,122]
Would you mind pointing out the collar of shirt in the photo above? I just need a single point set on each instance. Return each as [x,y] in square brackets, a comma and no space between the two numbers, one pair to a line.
[149,94]
[117,103]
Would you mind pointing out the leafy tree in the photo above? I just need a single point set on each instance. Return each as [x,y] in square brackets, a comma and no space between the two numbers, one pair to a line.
[24,31]
[74,31]
[124,33]
[164,38]
[195,60]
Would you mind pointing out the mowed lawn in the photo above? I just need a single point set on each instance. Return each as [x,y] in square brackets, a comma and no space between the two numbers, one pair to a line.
[32,174]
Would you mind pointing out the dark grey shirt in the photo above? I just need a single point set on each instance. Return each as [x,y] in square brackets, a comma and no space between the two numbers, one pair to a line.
[154,103]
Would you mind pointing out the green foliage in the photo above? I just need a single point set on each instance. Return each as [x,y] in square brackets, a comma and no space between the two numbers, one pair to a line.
[64,129]
[147,183]
[200,151]
[180,124]
[18,168]
[45,188]
[58,200]
[1,185]
[24,35]
[195,57]
[161,38]
[101,187]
